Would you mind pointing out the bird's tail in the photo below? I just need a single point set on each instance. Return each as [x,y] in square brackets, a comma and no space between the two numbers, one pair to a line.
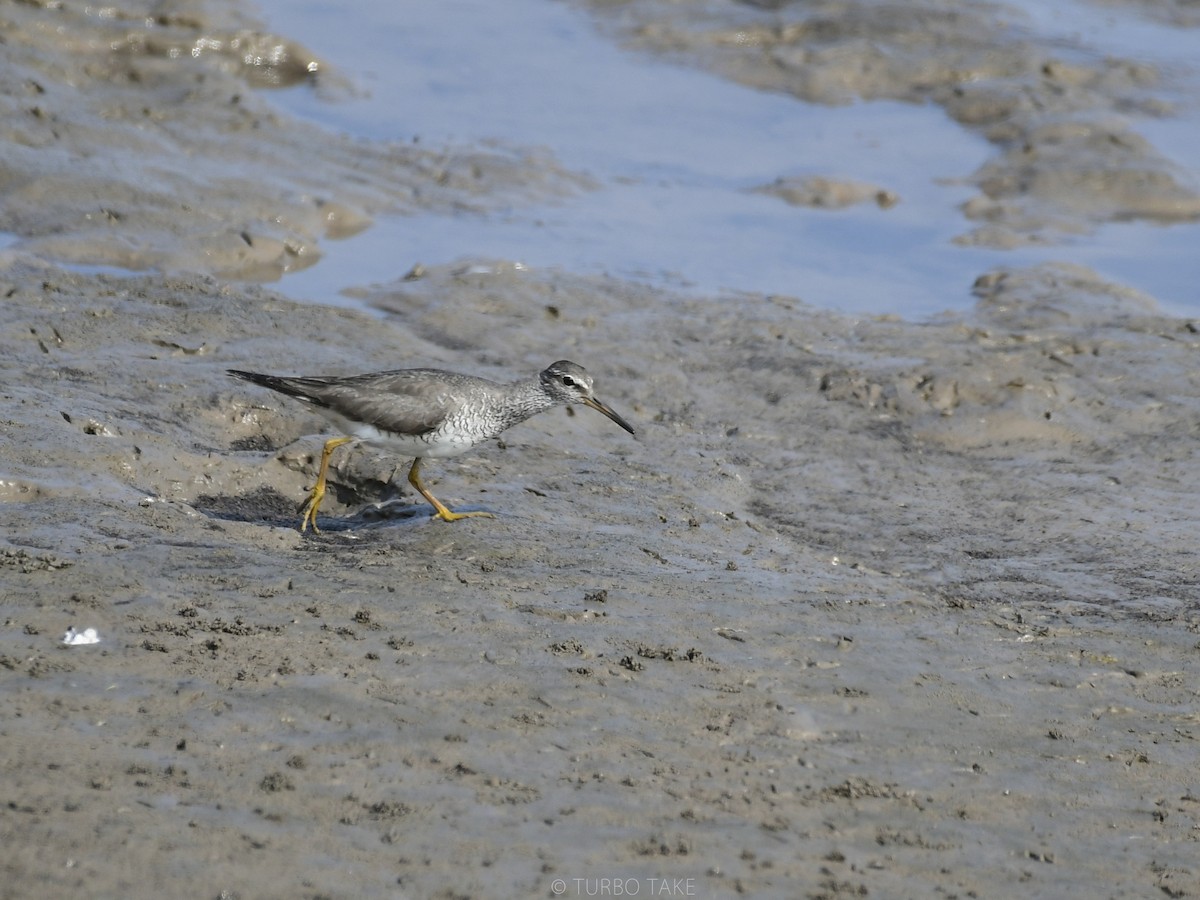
[293,387]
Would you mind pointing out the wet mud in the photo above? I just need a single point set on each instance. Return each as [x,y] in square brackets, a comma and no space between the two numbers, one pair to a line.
[867,608]
[1062,119]
[134,137]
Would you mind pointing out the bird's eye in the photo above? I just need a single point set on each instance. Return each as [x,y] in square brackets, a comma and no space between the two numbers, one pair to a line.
[568,381]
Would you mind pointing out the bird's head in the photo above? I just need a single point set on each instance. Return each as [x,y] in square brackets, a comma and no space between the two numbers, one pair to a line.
[568,382]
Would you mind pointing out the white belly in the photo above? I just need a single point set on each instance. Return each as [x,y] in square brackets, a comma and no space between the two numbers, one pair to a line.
[405,445]
[434,447]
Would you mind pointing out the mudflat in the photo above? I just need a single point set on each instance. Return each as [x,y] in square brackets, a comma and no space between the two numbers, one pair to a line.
[868,607]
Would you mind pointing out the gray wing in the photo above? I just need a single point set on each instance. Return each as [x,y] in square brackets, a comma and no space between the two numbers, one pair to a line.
[407,401]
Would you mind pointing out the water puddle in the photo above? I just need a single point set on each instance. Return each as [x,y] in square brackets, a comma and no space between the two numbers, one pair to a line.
[675,153]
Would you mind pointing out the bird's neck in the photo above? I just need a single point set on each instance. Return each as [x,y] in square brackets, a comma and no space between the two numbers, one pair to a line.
[525,399]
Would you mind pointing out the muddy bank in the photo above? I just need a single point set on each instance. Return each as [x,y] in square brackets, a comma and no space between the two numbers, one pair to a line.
[868,606]
[134,137]
[1062,118]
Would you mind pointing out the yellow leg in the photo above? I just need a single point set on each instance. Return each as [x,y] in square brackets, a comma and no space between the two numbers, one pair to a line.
[318,491]
[414,478]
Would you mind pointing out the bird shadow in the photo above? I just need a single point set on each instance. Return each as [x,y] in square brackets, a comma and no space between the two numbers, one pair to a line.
[388,513]
[264,506]
[267,506]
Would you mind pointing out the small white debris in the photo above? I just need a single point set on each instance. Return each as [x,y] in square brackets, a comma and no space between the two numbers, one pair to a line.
[75,638]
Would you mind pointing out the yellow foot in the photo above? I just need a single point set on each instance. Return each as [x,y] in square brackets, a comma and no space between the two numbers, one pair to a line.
[310,512]
[318,491]
[441,510]
[447,515]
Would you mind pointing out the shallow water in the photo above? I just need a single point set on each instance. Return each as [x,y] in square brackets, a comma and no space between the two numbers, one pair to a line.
[674,152]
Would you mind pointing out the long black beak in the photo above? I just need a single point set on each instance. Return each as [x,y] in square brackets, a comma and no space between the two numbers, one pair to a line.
[595,404]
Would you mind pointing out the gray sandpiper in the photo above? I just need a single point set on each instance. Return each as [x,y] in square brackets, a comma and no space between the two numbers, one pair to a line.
[427,413]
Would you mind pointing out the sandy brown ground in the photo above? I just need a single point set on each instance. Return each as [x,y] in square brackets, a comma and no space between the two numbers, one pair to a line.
[869,608]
